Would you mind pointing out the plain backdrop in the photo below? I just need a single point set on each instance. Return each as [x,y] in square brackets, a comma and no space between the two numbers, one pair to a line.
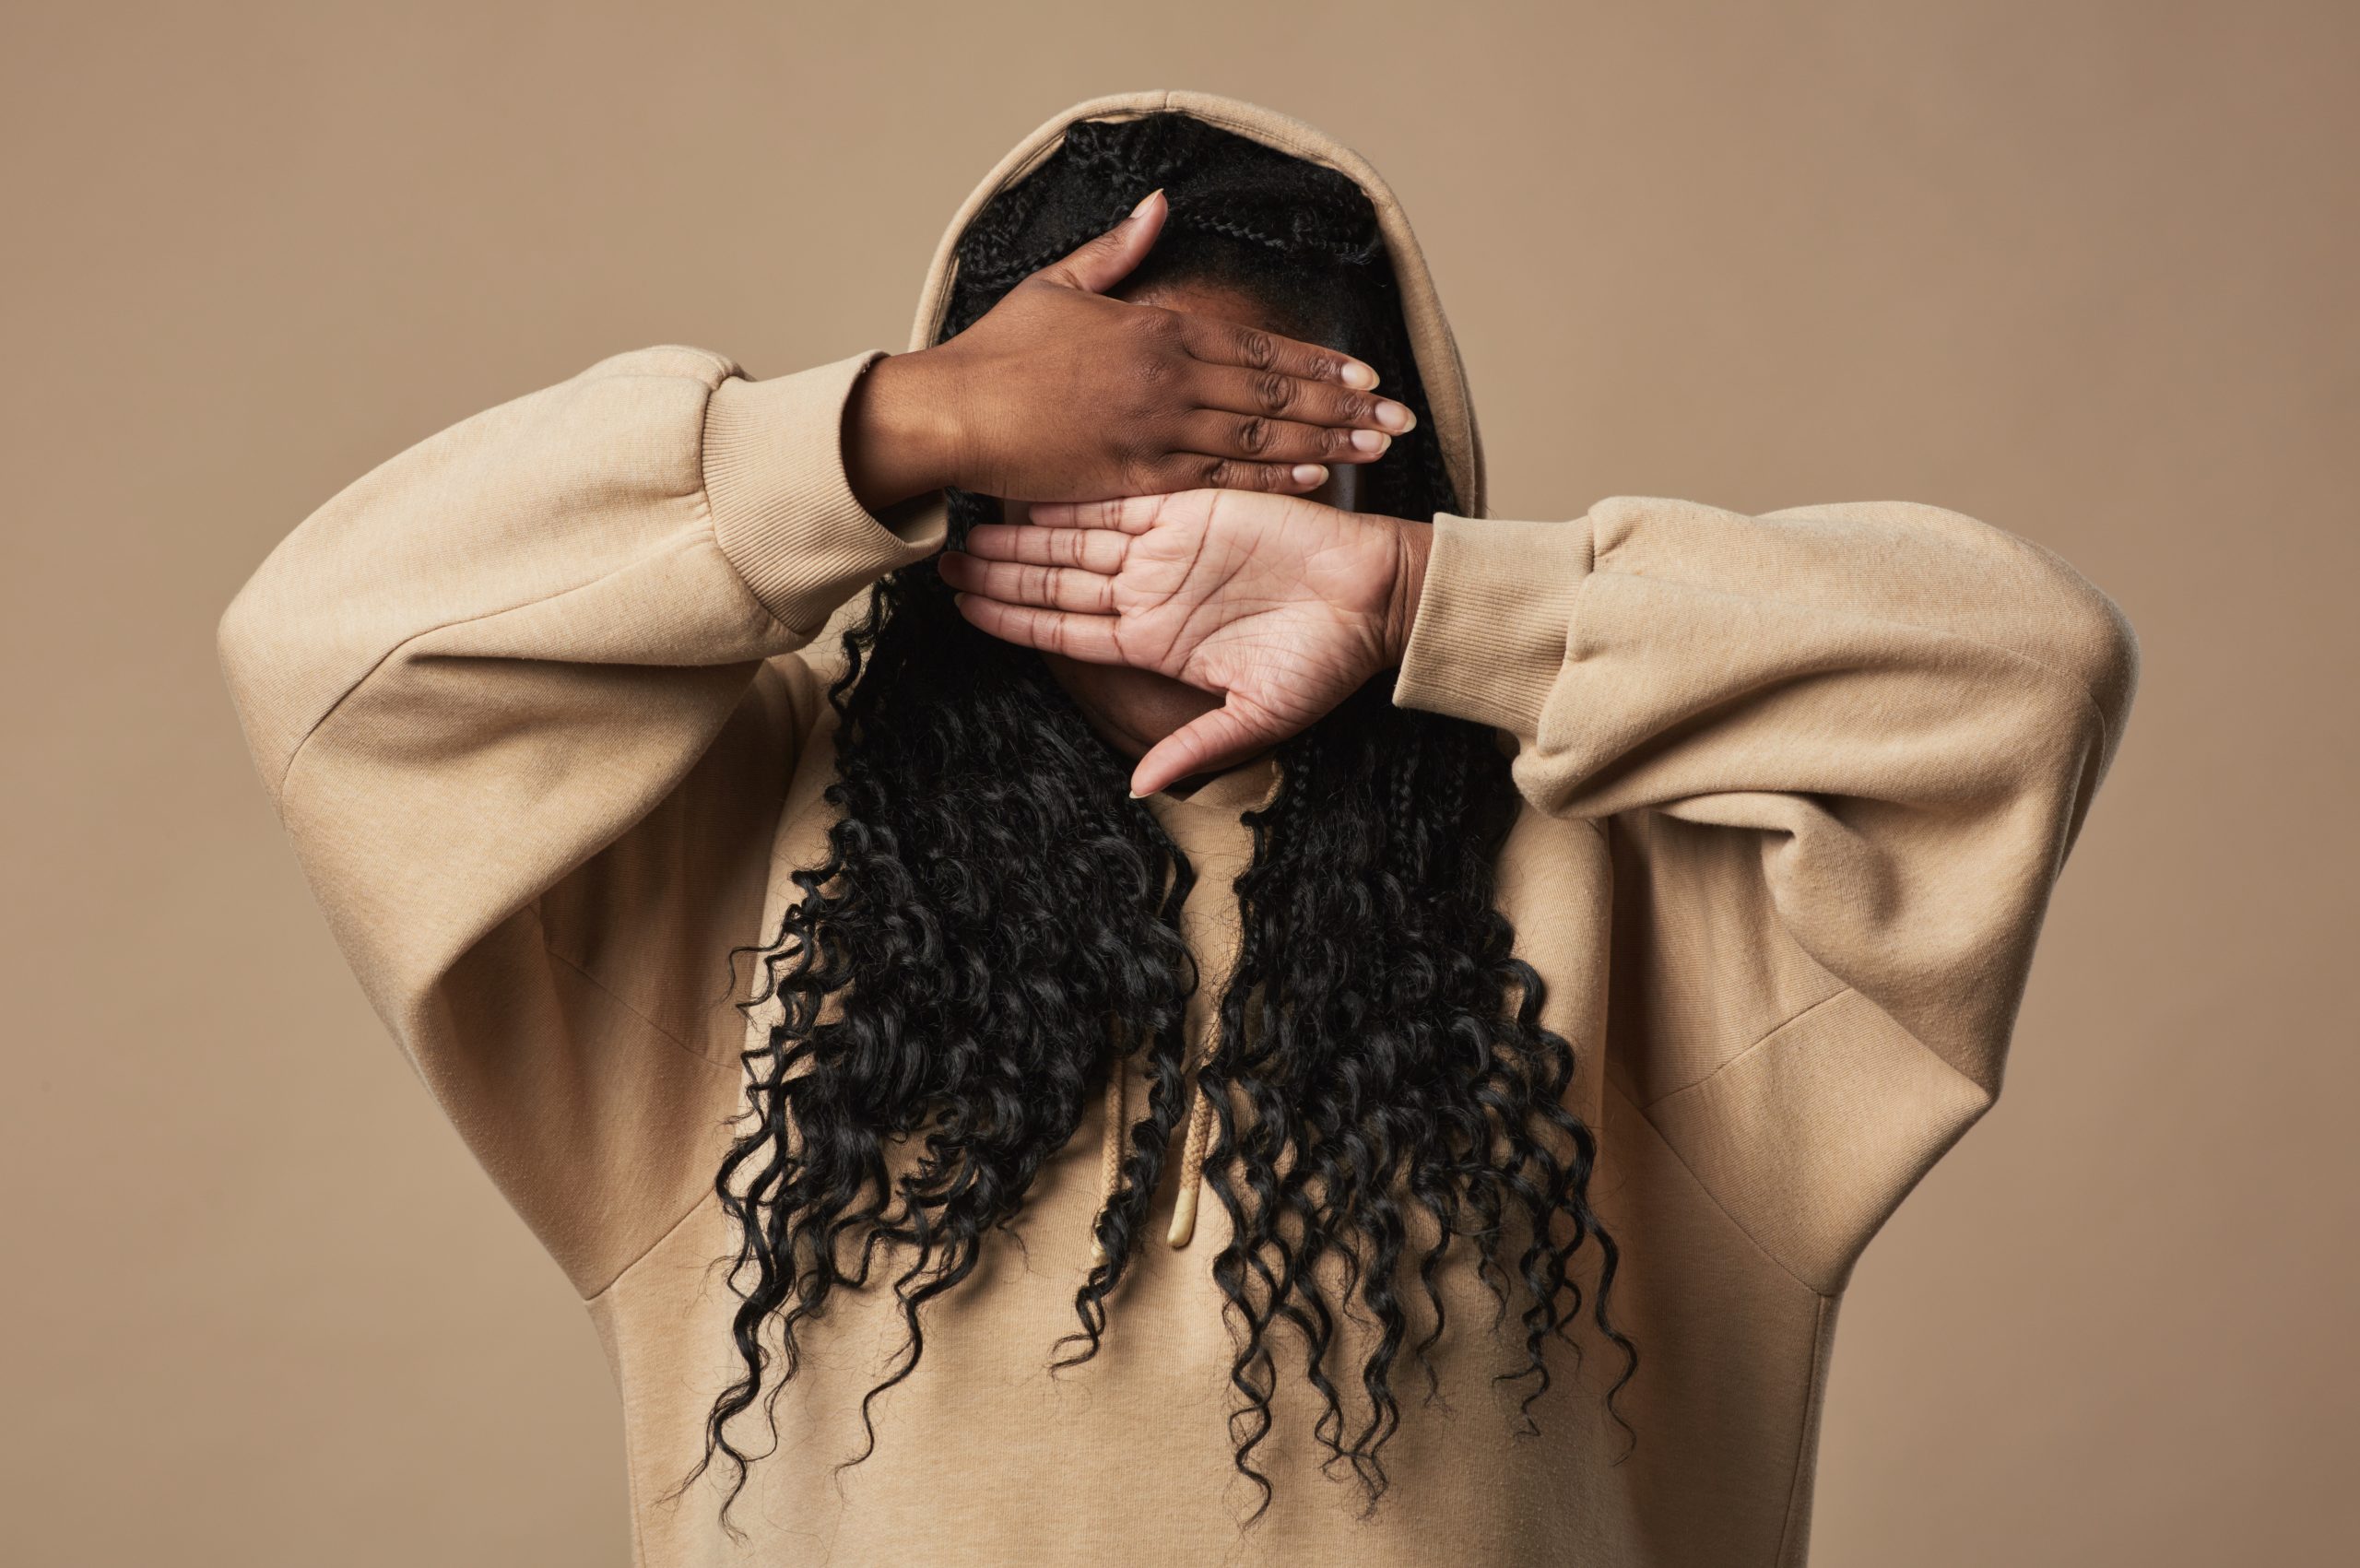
[2084,271]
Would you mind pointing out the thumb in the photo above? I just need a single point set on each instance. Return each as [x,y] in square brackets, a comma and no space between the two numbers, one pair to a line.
[1208,741]
[1108,259]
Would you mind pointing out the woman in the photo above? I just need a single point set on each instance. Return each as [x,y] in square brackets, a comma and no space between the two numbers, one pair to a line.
[1522,933]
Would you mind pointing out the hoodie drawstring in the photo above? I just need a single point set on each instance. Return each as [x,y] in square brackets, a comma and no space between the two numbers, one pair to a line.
[1192,1158]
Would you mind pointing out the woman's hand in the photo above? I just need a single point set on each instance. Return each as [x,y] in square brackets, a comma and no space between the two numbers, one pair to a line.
[1060,393]
[1281,606]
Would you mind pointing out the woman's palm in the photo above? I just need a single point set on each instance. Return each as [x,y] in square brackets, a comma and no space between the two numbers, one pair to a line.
[1281,609]
[1282,606]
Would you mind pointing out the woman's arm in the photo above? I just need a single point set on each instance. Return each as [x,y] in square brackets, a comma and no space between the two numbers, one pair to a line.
[1840,754]
[525,697]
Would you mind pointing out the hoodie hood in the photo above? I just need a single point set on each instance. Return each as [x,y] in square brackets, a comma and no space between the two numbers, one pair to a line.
[1430,338]
[1439,367]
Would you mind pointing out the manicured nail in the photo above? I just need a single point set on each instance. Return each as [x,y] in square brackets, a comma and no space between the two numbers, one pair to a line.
[1137,795]
[1355,373]
[1310,472]
[1141,209]
[1395,416]
[1371,441]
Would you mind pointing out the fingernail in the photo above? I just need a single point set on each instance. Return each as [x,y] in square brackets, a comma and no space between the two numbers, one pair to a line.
[1359,375]
[1141,208]
[1137,795]
[1395,416]
[1310,472]
[1371,441]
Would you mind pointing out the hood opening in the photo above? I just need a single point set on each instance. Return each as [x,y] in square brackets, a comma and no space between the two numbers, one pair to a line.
[1433,349]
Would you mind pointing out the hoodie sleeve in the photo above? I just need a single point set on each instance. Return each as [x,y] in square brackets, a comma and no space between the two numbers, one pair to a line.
[526,699]
[1839,755]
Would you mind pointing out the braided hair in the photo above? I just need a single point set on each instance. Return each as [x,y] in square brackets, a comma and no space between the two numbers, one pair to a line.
[1377,1024]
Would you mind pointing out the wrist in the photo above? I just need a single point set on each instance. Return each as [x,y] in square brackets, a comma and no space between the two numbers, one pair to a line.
[899,439]
[1412,545]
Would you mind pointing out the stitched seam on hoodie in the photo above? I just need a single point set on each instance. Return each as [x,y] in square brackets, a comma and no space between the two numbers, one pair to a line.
[1771,1034]
[611,994]
[686,540]
[1698,1178]
[720,362]
[1711,1196]
[696,1056]
[644,1253]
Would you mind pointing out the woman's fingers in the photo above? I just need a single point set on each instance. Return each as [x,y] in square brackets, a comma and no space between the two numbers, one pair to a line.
[1210,740]
[1108,519]
[1218,342]
[1220,434]
[1106,259]
[1090,638]
[1051,587]
[1091,546]
[1205,471]
[1269,396]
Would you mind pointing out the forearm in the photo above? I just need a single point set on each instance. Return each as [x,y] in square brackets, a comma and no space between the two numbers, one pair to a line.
[1648,613]
[641,516]
[900,434]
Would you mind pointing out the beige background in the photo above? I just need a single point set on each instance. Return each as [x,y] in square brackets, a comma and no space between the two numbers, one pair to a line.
[2084,271]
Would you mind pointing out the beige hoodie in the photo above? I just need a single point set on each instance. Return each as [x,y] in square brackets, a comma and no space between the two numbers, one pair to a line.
[540,705]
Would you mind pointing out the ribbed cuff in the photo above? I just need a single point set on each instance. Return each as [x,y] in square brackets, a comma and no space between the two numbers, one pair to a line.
[1492,619]
[782,508]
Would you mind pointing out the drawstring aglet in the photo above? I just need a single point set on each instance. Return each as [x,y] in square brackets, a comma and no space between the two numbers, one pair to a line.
[1110,1157]
[1192,1167]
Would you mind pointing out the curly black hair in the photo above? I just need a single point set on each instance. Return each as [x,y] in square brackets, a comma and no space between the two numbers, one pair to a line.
[996,922]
